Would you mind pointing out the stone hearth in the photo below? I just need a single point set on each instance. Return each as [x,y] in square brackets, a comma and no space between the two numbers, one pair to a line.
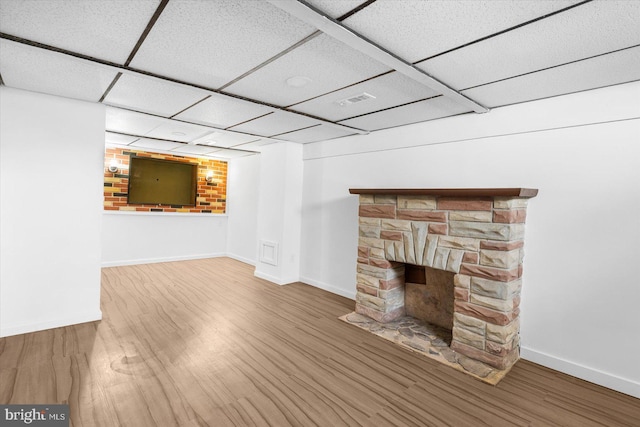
[476,234]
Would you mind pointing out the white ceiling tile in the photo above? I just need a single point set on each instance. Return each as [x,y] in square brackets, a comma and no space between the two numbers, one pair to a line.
[430,109]
[178,131]
[223,111]
[130,122]
[329,64]
[230,154]
[614,68]
[315,134]
[335,8]
[224,139]
[152,96]
[29,68]
[111,138]
[388,91]
[154,144]
[590,29]
[210,43]
[195,149]
[255,145]
[105,29]
[415,30]
[276,123]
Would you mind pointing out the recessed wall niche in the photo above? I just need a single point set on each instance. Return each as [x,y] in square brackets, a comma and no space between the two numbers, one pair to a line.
[211,196]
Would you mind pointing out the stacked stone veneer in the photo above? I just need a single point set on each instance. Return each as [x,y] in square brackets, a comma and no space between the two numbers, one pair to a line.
[478,238]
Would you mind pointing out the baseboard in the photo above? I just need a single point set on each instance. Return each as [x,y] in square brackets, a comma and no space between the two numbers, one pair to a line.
[329,288]
[273,279]
[623,385]
[241,259]
[163,259]
[26,328]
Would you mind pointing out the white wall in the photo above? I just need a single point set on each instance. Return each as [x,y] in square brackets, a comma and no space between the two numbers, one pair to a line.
[582,151]
[51,157]
[279,213]
[141,237]
[242,207]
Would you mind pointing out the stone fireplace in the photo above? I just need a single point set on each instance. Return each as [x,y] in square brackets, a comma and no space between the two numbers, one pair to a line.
[452,258]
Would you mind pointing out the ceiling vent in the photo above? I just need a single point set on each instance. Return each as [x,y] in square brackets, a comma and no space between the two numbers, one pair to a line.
[355,99]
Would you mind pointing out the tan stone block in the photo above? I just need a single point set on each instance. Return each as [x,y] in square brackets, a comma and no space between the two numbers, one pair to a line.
[367,290]
[369,231]
[495,289]
[454,261]
[366,199]
[393,298]
[363,279]
[371,242]
[469,323]
[467,337]
[409,250]
[419,234]
[416,202]
[389,251]
[493,303]
[397,282]
[481,230]
[377,211]
[465,243]
[498,349]
[484,313]
[491,272]
[363,220]
[430,250]
[461,294]
[501,246]
[473,216]
[440,258]
[370,301]
[378,315]
[500,259]
[381,273]
[385,199]
[499,362]
[376,253]
[503,333]
[461,281]
[398,248]
[362,260]
[395,224]
[508,203]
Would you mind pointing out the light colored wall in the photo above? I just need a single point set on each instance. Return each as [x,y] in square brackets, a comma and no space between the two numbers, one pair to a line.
[140,238]
[51,156]
[242,205]
[279,207]
[582,151]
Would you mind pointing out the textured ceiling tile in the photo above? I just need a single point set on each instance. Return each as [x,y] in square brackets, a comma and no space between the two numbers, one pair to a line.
[105,29]
[584,31]
[276,123]
[316,133]
[415,30]
[388,91]
[195,149]
[417,112]
[335,8]
[117,139]
[28,68]
[328,63]
[225,139]
[130,122]
[614,68]
[223,111]
[178,131]
[154,144]
[210,43]
[152,96]
[230,154]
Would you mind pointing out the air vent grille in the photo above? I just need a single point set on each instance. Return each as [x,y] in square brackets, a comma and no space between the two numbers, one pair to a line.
[364,96]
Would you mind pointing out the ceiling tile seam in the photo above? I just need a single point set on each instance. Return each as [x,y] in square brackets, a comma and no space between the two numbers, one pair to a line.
[213,128]
[296,130]
[390,108]
[248,120]
[135,71]
[190,106]
[292,47]
[333,28]
[551,67]
[146,31]
[170,140]
[506,30]
[111,85]
[341,88]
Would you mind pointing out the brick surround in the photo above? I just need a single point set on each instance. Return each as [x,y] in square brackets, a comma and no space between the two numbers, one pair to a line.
[478,234]
[211,198]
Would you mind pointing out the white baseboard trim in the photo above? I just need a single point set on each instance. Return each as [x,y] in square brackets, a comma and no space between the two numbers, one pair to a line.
[163,259]
[242,259]
[74,319]
[329,288]
[614,382]
[273,279]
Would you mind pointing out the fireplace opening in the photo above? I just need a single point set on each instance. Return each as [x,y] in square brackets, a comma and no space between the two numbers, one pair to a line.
[428,295]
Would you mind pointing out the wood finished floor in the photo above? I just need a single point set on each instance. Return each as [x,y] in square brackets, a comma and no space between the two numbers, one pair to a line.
[205,343]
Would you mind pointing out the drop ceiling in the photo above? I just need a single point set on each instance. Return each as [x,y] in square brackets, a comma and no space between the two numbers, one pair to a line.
[223,78]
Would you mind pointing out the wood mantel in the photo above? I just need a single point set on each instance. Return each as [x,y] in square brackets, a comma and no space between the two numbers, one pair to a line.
[450,192]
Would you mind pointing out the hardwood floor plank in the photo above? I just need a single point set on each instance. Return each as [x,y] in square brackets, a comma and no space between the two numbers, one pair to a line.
[206,343]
